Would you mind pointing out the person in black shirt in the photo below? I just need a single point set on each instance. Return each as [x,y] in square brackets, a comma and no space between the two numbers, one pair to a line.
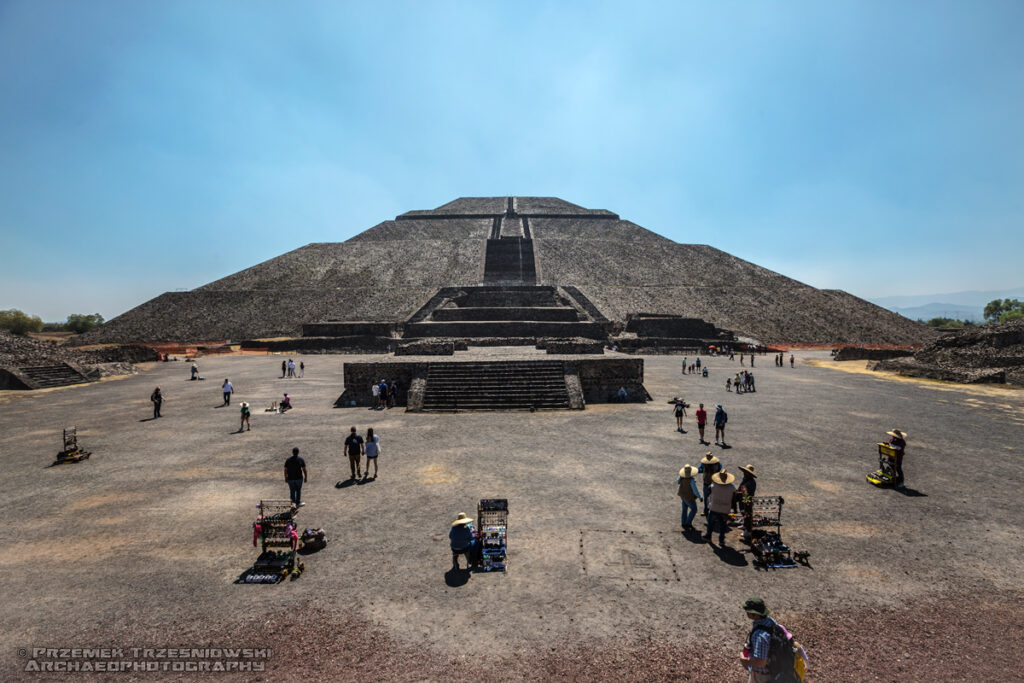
[354,448]
[295,475]
[158,400]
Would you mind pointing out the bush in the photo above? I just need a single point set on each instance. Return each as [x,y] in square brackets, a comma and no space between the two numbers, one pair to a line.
[947,323]
[20,322]
[81,322]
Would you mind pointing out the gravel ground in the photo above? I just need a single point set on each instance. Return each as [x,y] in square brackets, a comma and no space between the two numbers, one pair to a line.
[141,544]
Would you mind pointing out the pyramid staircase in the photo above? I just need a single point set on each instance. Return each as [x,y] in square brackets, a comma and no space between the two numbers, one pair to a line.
[60,375]
[495,385]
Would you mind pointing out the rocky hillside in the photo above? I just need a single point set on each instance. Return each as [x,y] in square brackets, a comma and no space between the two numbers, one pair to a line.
[991,353]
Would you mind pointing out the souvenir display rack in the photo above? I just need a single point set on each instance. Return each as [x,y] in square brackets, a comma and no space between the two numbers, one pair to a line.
[492,517]
[71,452]
[275,528]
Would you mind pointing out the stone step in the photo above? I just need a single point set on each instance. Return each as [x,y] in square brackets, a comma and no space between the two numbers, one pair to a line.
[495,385]
[467,328]
[44,376]
[501,313]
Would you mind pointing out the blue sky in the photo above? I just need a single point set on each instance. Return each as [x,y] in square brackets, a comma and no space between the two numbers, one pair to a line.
[153,146]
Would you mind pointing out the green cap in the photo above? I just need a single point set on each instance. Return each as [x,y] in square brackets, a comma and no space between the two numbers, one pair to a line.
[755,606]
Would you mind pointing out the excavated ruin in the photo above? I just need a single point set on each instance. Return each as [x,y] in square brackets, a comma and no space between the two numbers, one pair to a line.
[598,270]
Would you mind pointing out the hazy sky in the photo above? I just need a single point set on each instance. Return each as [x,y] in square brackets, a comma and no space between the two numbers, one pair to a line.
[152,146]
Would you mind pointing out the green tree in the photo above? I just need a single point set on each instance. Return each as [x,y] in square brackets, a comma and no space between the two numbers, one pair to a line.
[1001,310]
[20,322]
[946,323]
[82,322]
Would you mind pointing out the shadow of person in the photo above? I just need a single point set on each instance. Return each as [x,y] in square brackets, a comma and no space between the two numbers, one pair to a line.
[456,577]
[911,493]
[730,556]
[694,535]
[345,483]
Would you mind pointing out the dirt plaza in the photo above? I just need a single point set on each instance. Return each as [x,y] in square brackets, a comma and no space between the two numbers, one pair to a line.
[142,544]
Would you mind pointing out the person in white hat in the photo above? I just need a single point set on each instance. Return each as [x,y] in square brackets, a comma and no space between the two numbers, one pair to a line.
[245,417]
[462,539]
[709,466]
[898,441]
[687,491]
[721,502]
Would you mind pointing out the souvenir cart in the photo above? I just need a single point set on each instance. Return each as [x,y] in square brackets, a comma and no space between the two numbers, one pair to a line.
[761,513]
[71,452]
[885,475]
[274,533]
[492,516]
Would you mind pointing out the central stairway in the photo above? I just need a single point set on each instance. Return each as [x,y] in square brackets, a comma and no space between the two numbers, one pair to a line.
[495,385]
[61,375]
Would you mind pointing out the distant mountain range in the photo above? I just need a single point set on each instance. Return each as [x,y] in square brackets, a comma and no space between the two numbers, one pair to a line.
[960,305]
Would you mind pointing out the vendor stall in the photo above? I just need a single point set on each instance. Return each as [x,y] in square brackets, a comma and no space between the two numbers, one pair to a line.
[492,517]
[275,534]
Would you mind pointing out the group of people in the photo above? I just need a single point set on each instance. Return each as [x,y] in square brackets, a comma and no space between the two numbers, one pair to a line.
[718,493]
[719,420]
[288,369]
[743,383]
[384,395]
[780,360]
[356,447]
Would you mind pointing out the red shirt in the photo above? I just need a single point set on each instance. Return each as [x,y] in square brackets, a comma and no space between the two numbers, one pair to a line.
[702,416]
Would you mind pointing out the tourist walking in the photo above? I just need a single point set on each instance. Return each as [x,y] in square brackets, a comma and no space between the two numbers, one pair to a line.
[709,466]
[158,400]
[680,412]
[354,448]
[245,413]
[295,475]
[722,491]
[372,448]
[721,417]
[702,420]
[227,388]
[788,663]
[898,441]
[687,492]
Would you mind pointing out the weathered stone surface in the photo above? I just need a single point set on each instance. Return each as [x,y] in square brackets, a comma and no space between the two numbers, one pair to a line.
[857,353]
[432,347]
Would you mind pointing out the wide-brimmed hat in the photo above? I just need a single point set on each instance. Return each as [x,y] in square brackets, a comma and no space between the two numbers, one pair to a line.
[709,459]
[723,478]
[687,472]
[718,405]
[244,404]
[755,606]
[897,433]
[749,469]
[461,519]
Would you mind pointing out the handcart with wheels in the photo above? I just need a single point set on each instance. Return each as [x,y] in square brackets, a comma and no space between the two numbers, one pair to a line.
[72,452]
[274,531]
[761,514]
[885,475]
[492,517]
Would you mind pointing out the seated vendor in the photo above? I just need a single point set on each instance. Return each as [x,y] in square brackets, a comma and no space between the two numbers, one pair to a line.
[462,539]
[286,403]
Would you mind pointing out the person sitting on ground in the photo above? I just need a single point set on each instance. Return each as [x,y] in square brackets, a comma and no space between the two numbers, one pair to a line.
[286,403]
[899,443]
[462,539]
[704,372]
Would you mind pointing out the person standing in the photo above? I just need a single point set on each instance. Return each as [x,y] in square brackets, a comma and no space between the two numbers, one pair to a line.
[722,492]
[195,371]
[284,368]
[462,539]
[687,492]
[245,417]
[375,390]
[898,441]
[158,400]
[702,420]
[709,465]
[393,393]
[680,412]
[698,365]
[372,448]
[295,475]
[721,417]
[684,365]
[354,447]
[791,360]
[302,368]
[227,388]
[291,368]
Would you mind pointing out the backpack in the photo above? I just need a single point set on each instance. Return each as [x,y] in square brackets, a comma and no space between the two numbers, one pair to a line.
[782,654]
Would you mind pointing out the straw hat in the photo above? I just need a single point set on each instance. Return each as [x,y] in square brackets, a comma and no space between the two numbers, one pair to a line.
[723,478]
[461,519]
[709,459]
[687,472]
[244,404]
[749,469]
[897,433]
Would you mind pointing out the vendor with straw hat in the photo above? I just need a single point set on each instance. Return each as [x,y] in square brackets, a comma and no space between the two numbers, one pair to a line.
[748,485]
[709,465]
[898,441]
[722,492]
[462,539]
[687,491]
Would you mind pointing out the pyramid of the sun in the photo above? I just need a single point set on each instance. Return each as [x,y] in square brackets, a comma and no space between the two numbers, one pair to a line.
[390,271]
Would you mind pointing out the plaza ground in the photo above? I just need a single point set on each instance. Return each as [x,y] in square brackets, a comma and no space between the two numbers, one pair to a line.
[141,544]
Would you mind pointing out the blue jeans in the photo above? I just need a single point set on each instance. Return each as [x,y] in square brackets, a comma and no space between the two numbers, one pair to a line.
[707,498]
[717,520]
[295,490]
[689,511]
